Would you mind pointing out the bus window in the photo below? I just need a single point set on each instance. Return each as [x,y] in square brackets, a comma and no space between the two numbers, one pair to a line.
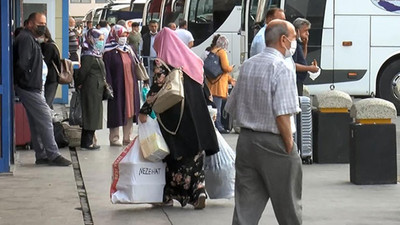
[172,13]
[312,10]
[206,16]
[200,22]
[120,12]
[153,11]
[96,17]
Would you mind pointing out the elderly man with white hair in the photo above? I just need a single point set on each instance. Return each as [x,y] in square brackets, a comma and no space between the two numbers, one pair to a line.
[263,103]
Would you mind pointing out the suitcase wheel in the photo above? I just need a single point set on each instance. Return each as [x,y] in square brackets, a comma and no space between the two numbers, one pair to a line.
[308,160]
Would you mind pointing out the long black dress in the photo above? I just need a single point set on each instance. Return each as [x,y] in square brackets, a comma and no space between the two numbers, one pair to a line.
[196,136]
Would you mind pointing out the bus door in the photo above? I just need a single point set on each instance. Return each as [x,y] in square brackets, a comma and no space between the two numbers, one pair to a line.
[253,18]
[351,52]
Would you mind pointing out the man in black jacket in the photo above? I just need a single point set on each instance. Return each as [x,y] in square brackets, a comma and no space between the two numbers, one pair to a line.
[146,46]
[28,64]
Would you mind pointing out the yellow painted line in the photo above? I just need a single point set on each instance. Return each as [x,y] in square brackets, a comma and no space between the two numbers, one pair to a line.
[334,110]
[374,121]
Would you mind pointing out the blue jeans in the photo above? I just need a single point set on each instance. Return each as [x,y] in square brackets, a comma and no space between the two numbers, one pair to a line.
[218,103]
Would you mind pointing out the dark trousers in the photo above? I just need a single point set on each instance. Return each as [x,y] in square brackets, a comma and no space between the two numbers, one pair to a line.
[50,89]
[40,124]
[87,138]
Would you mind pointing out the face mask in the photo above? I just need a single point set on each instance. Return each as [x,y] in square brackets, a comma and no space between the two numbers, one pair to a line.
[129,29]
[40,29]
[40,40]
[99,45]
[122,40]
[292,50]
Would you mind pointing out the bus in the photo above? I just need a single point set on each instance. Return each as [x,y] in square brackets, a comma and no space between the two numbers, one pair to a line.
[114,11]
[205,19]
[355,42]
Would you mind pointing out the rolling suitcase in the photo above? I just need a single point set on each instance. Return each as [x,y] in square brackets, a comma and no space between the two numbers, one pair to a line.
[22,131]
[303,136]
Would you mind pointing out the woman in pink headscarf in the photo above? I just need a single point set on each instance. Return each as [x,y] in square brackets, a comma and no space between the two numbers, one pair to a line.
[124,108]
[196,135]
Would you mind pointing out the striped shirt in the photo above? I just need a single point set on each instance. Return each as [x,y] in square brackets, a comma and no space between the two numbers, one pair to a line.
[266,89]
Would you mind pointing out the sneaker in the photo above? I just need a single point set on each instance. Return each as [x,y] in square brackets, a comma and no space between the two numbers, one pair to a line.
[60,161]
[201,201]
[42,161]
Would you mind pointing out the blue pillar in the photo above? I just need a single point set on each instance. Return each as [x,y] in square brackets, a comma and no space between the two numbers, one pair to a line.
[65,46]
[6,88]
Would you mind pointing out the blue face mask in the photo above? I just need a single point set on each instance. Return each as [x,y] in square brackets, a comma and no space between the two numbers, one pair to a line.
[99,45]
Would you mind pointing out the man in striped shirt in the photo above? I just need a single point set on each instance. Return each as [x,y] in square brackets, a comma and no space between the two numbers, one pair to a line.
[263,103]
[73,41]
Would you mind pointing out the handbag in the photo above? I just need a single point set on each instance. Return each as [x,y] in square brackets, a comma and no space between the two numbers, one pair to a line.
[171,92]
[212,66]
[108,93]
[140,69]
[66,73]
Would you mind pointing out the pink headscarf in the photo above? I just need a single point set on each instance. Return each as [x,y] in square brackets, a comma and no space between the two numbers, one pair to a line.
[175,53]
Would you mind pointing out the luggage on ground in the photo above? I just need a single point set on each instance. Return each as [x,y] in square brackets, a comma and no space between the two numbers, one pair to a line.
[219,170]
[136,180]
[303,136]
[59,135]
[22,131]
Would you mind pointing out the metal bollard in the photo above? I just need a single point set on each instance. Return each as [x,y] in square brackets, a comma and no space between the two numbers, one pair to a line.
[331,127]
[373,142]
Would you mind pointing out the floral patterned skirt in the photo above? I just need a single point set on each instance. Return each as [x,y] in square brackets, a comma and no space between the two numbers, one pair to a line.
[184,179]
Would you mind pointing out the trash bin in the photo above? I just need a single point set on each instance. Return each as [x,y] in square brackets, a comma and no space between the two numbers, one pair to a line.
[331,120]
[373,142]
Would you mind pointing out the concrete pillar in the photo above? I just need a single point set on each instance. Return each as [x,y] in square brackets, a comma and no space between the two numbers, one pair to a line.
[373,142]
[331,121]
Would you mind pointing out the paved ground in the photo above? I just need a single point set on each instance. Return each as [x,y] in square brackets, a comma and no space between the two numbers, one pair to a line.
[48,195]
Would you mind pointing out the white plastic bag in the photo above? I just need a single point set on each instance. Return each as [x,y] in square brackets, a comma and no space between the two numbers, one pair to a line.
[136,180]
[152,143]
[219,171]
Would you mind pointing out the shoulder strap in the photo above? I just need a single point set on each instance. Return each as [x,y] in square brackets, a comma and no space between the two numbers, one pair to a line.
[179,122]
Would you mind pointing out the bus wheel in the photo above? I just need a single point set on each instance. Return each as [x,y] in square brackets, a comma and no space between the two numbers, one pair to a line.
[389,84]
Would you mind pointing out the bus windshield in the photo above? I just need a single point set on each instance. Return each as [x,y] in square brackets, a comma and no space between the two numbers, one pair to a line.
[206,16]
[153,11]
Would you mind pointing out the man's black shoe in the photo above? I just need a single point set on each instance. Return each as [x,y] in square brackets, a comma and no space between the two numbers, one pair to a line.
[91,147]
[60,161]
[42,161]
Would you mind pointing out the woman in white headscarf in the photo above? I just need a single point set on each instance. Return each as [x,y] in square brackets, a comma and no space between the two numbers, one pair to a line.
[219,85]
[123,109]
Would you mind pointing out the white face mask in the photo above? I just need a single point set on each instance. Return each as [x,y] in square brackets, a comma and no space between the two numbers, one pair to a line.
[40,40]
[290,52]
[122,40]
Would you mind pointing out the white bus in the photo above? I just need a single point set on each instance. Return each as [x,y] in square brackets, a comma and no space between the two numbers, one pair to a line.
[356,43]
[205,19]
[116,10]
